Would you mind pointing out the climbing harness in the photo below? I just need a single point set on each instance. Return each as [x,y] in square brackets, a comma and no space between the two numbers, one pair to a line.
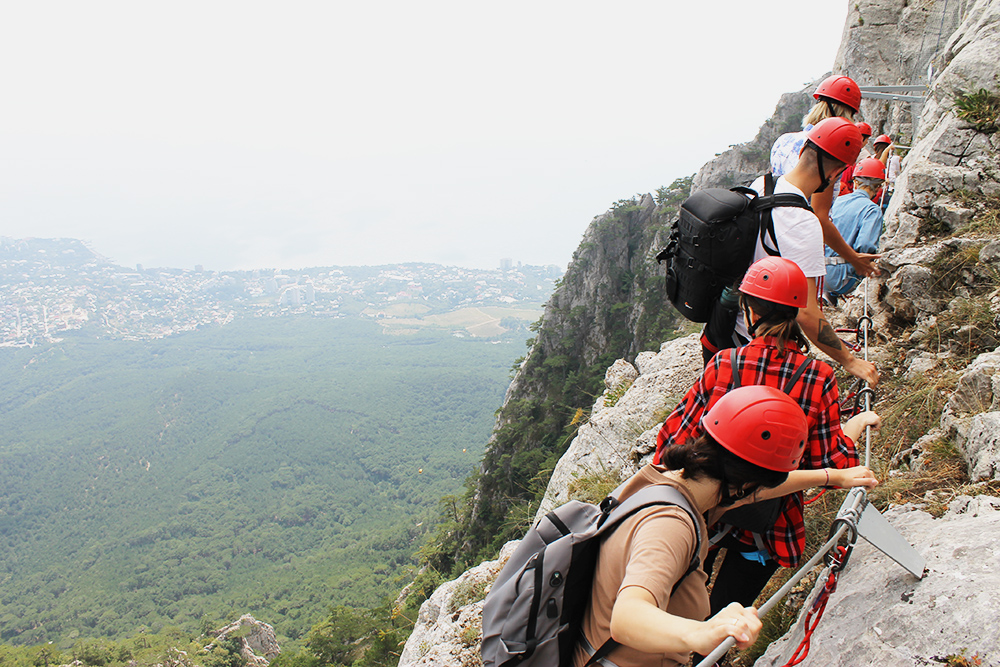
[855,518]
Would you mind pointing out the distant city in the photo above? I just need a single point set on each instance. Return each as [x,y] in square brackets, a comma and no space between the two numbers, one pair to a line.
[51,287]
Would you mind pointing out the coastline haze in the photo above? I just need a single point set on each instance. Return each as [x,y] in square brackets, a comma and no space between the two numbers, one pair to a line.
[240,136]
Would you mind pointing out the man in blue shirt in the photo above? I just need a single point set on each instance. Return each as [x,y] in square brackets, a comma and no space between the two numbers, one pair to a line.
[859,221]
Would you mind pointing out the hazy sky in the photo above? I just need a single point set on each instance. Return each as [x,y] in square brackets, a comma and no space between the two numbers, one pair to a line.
[294,134]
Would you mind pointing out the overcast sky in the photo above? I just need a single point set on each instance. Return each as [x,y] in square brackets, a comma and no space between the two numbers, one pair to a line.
[240,134]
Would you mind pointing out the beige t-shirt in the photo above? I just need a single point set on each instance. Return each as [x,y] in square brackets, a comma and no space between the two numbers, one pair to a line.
[653,550]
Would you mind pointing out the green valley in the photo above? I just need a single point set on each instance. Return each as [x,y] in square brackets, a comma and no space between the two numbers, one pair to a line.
[273,466]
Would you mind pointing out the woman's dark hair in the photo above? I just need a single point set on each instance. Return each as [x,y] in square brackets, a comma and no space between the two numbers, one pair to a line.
[704,457]
[776,320]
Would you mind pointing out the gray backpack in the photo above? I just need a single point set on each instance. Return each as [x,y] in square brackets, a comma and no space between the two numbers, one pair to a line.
[533,614]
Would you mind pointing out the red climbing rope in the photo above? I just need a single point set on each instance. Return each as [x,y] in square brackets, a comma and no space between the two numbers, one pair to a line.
[846,407]
[853,347]
[818,607]
[814,498]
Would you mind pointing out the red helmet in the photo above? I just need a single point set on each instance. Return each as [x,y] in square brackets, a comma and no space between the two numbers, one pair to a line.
[883,139]
[866,129]
[777,280]
[839,137]
[841,89]
[761,425]
[870,168]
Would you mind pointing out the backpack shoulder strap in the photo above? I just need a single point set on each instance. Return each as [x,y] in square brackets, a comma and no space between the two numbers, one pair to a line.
[764,205]
[766,219]
[655,494]
[737,383]
[796,375]
[771,200]
[787,199]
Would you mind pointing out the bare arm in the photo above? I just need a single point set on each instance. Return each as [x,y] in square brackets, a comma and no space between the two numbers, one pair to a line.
[637,622]
[884,155]
[800,480]
[822,335]
[855,426]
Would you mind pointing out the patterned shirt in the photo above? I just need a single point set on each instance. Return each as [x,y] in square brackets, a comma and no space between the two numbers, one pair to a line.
[785,151]
[816,392]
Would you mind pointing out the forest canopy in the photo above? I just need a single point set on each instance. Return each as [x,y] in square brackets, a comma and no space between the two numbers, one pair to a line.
[273,467]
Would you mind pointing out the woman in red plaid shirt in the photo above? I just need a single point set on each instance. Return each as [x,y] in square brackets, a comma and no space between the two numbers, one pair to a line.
[771,293]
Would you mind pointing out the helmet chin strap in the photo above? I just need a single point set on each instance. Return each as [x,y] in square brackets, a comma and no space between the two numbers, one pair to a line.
[824,181]
[752,328]
[728,499]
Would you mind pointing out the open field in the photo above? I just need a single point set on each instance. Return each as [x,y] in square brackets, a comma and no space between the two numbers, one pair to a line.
[480,322]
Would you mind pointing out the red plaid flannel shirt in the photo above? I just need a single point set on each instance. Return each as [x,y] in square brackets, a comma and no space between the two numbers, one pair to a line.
[816,391]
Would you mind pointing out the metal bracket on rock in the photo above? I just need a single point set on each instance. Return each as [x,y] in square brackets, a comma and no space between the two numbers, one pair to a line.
[864,520]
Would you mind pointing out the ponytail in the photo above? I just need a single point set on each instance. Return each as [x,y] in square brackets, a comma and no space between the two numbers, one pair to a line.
[827,108]
[776,320]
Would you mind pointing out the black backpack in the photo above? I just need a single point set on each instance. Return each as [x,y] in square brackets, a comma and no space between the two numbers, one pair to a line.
[712,243]
[533,614]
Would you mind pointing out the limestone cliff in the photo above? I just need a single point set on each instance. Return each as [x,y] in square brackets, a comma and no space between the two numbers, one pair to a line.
[257,641]
[608,305]
[935,307]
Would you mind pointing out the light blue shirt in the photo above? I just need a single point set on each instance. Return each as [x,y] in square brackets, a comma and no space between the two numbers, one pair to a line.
[859,221]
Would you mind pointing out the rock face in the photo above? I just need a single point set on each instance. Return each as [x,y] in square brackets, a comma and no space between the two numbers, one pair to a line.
[951,164]
[882,615]
[949,156]
[971,417]
[623,424]
[258,643]
[450,625]
[889,43]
